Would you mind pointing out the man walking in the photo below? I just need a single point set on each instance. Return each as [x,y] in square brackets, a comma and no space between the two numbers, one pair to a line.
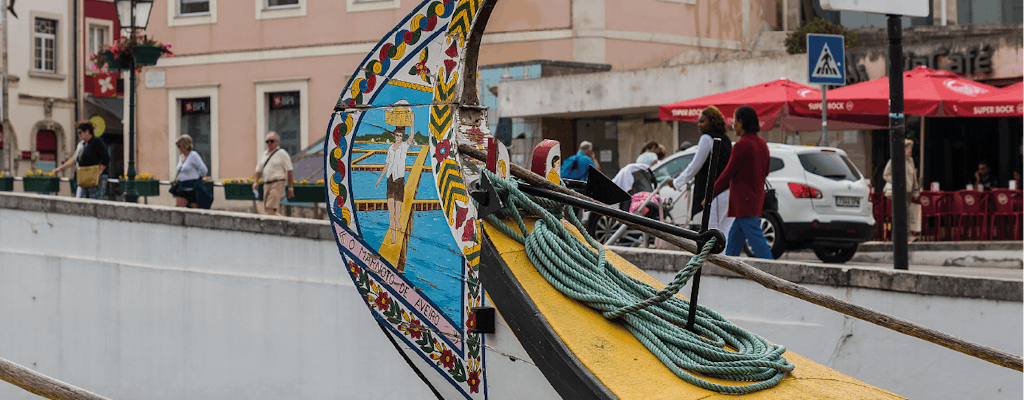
[276,170]
[575,167]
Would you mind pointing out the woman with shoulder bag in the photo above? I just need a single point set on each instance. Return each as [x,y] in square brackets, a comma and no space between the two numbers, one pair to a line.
[92,163]
[188,178]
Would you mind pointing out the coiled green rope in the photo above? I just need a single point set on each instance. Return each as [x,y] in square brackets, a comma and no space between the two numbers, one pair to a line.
[656,318]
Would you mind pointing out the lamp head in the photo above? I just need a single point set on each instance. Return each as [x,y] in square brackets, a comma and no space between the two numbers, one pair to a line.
[141,10]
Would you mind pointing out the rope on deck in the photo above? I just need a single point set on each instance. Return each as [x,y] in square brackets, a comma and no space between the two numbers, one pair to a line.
[719,349]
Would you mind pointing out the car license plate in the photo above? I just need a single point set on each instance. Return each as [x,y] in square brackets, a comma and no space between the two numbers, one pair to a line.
[844,201]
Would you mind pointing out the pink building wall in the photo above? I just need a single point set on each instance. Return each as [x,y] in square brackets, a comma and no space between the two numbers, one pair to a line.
[238,53]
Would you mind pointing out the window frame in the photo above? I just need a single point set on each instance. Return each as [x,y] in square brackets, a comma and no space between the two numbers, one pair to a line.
[57,45]
[108,40]
[265,11]
[353,6]
[176,18]
[174,96]
[263,89]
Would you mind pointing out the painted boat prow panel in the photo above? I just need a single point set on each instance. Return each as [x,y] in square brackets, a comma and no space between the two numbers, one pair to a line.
[584,355]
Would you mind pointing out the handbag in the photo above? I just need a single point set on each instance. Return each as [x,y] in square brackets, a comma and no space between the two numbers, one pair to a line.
[204,199]
[89,176]
[771,199]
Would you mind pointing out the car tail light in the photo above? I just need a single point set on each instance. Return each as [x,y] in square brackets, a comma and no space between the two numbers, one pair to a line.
[827,151]
[804,191]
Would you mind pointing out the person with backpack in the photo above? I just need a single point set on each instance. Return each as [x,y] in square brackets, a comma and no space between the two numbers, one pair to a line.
[575,167]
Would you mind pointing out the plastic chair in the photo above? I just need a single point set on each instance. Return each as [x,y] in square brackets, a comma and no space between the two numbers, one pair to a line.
[1005,219]
[936,218]
[970,216]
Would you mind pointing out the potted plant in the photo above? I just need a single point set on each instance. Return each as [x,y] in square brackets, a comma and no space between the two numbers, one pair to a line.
[6,182]
[241,189]
[145,184]
[41,182]
[117,56]
[306,192]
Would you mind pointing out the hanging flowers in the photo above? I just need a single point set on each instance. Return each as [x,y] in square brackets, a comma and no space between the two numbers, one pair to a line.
[117,56]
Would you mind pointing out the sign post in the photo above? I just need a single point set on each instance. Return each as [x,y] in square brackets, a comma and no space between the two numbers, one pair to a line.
[824,67]
[897,123]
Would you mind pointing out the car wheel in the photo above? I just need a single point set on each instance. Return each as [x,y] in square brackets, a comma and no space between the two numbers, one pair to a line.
[835,254]
[602,227]
[771,228]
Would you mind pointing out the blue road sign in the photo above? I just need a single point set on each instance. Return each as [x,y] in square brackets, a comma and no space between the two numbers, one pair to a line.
[825,59]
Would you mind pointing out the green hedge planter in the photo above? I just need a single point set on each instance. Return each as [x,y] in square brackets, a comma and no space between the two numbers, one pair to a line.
[41,185]
[241,191]
[144,188]
[309,194]
[7,184]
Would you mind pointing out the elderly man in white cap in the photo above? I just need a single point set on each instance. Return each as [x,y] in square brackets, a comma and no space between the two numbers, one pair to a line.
[276,170]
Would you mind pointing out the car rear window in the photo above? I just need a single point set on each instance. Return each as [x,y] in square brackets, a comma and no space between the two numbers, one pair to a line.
[830,165]
[672,168]
[775,164]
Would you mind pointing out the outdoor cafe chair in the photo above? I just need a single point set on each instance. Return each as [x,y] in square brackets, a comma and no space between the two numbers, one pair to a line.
[1005,220]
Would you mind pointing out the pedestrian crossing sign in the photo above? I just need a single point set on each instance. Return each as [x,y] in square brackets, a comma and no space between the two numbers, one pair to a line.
[825,60]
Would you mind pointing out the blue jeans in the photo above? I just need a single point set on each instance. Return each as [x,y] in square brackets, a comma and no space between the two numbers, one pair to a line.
[747,230]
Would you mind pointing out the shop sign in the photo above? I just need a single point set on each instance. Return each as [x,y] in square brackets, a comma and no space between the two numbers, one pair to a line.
[104,85]
[284,100]
[201,106]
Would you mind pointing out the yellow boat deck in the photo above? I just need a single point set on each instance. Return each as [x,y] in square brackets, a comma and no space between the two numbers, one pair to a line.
[626,368]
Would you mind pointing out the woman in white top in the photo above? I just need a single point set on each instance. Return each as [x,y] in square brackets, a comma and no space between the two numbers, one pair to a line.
[190,172]
[67,164]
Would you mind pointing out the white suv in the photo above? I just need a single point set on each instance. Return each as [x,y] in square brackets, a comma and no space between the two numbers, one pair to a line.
[823,200]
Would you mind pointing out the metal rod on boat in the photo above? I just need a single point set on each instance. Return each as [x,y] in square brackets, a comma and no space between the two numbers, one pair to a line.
[627,217]
[709,195]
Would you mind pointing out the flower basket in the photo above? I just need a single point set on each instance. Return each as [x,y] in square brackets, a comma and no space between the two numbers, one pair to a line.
[6,184]
[41,185]
[241,191]
[144,188]
[309,194]
[114,64]
[146,55]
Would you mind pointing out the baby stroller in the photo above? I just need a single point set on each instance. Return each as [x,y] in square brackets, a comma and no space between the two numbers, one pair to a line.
[645,194]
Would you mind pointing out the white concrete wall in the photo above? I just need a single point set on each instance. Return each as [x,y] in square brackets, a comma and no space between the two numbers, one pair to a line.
[136,302]
[641,89]
[152,311]
[905,365]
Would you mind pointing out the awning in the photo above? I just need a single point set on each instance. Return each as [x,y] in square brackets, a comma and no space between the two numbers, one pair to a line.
[925,92]
[773,102]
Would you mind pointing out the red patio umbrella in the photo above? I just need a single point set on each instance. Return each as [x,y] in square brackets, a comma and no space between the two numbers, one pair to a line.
[925,92]
[772,101]
[1005,102]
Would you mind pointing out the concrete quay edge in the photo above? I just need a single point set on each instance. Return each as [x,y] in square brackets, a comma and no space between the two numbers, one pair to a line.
[946,246]
[841,276]
[186,217]
[649,259]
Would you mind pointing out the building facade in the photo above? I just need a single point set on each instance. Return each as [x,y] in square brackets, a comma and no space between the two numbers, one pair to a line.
[246,67]
[40,86]
[620,107]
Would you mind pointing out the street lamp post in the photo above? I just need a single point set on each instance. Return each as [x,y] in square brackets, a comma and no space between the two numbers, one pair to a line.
[132,15]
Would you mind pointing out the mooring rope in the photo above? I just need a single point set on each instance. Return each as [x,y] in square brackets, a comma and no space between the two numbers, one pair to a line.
[718,349]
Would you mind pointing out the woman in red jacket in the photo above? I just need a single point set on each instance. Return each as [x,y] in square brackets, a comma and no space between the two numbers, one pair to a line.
[744,177]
